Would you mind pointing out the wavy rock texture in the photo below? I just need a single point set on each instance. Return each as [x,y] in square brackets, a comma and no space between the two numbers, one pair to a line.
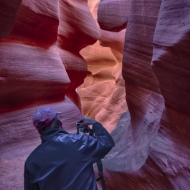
[143,96]
[26,57]
[170,60]
[113,14]
[152,139]
[77,29]
[34,72]
[48,53]
[103,92]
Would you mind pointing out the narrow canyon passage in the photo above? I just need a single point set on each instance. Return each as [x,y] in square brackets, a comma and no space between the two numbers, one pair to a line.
[124,63]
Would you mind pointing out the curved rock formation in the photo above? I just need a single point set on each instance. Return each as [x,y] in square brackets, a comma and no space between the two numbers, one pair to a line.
[144,101]
[54,53]
[35,73]
[152,146]
[113,14]
[77,29]
[103,91]
[170,63]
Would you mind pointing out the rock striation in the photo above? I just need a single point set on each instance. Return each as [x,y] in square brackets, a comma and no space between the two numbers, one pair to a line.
[123,62]
[152,146]
[113,15]
[77,29]
[103,92]
[34,72]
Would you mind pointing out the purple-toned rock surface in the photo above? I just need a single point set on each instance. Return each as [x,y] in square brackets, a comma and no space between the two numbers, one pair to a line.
[170,62]
[143,96]
[34,73]
[47,48]
[113,14]
[152,139]
[8,10]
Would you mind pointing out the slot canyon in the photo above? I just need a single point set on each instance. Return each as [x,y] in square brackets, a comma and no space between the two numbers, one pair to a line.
[124,63]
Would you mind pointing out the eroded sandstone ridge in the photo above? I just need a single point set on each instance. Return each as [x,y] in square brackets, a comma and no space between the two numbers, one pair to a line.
[41,65]
[152,139]
[33,73]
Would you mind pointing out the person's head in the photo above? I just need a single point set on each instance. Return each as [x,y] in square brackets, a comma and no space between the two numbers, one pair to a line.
[46,118]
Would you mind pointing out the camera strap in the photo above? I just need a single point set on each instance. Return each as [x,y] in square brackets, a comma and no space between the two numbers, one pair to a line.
[100,173]
[100,178]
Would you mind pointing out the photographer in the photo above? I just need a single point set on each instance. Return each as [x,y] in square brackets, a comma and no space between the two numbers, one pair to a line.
[64,161]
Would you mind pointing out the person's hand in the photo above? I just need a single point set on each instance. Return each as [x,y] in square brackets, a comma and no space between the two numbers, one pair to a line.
[87,121]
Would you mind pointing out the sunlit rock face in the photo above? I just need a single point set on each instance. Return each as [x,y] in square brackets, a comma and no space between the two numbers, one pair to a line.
[103,92]
[77,29]
[152,139]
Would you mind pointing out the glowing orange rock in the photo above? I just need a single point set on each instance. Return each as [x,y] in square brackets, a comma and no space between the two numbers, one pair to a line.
[103,91]
[77,29]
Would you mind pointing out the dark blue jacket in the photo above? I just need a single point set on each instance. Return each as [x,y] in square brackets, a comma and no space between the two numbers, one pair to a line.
[64,161]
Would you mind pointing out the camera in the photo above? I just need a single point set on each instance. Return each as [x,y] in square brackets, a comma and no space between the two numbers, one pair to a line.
[84,129]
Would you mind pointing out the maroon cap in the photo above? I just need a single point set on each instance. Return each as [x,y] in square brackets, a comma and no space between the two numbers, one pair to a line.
[45,114]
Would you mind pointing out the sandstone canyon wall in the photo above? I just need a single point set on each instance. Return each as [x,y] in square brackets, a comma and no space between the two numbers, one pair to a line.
[103,92]
[41,65]
[152,139]
[73,55]
[33,74]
